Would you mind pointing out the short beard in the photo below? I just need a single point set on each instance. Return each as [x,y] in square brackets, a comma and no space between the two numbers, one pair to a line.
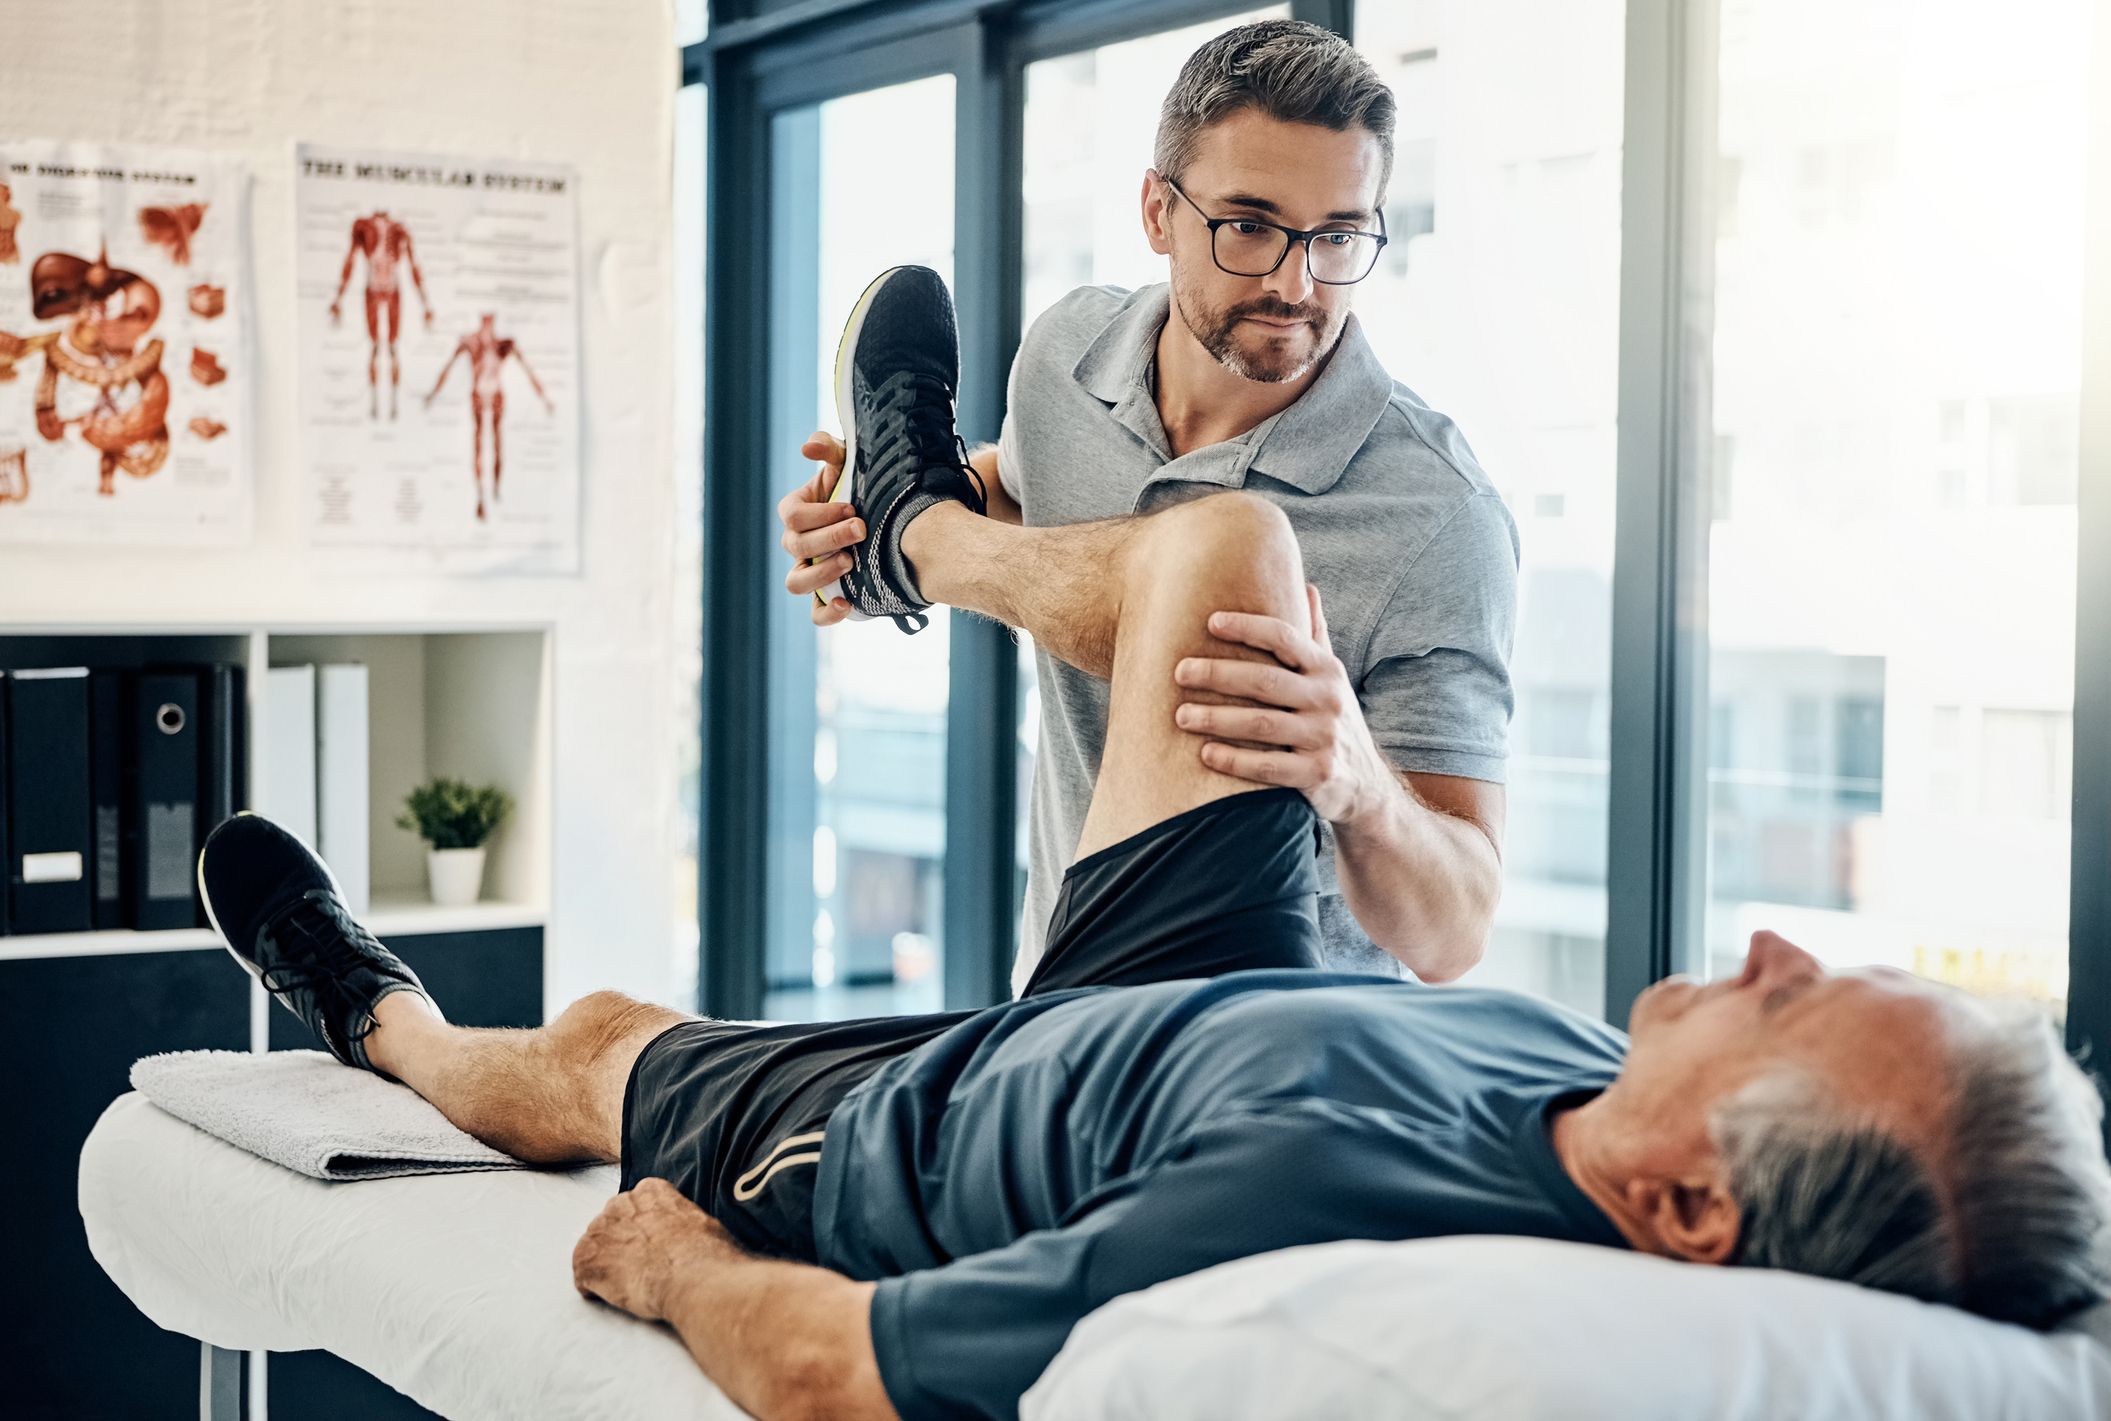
[1216,332]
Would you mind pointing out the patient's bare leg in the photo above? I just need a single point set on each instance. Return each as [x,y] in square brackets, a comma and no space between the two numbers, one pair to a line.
[1126,599]
[550,1095]
[1133,596]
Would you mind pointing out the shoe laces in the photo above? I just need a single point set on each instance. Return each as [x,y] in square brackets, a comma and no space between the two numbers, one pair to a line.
[334,949]
[917,420]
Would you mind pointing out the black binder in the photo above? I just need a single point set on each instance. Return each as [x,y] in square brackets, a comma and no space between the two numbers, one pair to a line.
[222,785]
[50,849]
[163,744]
[4,816]
[107,724]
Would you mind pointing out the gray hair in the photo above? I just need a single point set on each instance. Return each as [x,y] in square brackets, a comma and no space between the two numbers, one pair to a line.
[2025,1236]
[1292,71]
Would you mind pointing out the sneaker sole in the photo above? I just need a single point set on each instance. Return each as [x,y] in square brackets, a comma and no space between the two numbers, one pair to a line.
[846,414]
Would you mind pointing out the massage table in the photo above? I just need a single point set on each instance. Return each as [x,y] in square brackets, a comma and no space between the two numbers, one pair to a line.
[456,1290]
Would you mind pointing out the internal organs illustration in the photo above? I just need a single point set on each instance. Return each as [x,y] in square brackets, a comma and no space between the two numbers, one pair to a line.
[488,352]
[171,228]
[99,349]
[10,219]
[384,242]
[14,475]
[207,428]
[208,301]
[206,368]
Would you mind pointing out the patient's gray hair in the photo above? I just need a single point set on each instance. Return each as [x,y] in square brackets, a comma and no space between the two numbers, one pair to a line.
[1290,70]
[2027,1237]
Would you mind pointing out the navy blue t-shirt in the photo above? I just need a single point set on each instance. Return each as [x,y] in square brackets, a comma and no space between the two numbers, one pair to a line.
[1050,1154]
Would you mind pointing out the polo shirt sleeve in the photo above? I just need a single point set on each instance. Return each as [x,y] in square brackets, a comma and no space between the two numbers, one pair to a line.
[1437,692]
[1008,459]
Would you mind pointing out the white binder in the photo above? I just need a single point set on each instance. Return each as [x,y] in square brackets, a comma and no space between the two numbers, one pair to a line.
[341,778]
[285,791]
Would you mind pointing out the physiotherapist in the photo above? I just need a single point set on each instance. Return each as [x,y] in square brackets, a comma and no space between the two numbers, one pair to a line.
[1390,710]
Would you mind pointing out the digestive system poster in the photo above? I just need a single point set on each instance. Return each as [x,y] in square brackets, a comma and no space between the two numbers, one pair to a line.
[439,359]
[125,345]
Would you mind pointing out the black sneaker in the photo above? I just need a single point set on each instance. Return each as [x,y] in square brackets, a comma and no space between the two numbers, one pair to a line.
[896,371]
[279,910]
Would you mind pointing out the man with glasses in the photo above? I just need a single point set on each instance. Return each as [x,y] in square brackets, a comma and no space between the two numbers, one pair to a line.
[1389,710]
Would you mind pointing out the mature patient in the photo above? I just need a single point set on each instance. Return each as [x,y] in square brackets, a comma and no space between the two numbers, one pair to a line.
[906,1216]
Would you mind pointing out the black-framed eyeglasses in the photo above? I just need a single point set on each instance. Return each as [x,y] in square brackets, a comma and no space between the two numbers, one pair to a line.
[1247,246]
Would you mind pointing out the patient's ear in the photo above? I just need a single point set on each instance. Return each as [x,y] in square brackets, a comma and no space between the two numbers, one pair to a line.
[1694,1218]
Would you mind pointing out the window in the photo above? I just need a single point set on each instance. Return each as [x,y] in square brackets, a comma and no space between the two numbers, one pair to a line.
[1498,303]
[1891,596]
[856,850]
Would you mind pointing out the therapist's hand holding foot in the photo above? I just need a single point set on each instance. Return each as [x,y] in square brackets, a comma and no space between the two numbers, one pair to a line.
[818,533]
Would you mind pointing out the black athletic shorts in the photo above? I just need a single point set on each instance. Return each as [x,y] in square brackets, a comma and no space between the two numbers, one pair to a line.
[732,1114]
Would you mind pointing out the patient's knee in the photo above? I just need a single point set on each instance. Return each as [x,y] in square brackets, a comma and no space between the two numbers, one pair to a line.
[1234,544]
[590,1028]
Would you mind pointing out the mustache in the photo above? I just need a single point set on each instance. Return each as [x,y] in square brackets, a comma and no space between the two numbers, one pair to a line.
[1268,308]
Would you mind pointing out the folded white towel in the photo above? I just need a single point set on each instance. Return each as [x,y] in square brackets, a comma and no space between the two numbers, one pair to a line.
[303,1110]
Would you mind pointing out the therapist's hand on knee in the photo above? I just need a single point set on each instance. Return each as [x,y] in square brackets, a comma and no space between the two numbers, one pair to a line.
[643,1242]
[1308,709]
[817,532]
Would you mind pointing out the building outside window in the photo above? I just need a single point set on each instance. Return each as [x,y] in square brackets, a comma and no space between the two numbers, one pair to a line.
[858,735]
[1897,354]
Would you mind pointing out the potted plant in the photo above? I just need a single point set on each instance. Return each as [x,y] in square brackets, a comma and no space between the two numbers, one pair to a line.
[455,819]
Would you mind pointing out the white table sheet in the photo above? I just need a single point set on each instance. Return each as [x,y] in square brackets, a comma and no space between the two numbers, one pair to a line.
[454,1289]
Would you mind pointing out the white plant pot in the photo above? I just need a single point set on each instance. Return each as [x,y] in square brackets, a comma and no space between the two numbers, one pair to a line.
[457,876]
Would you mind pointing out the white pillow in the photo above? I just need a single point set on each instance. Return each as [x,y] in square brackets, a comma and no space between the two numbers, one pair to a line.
[1515,1329]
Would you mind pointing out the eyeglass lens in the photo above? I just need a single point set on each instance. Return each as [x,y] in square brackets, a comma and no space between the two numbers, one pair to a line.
[1250,249]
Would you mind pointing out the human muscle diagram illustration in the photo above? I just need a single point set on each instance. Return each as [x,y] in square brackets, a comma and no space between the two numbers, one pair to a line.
[385,243]
[488,353]
[492,247]
[123,338]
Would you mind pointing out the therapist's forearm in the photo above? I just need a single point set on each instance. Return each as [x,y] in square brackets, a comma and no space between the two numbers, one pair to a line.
[784,1341]
[1421,882]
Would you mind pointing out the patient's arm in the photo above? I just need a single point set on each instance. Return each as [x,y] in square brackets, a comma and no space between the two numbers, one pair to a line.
[782,1340]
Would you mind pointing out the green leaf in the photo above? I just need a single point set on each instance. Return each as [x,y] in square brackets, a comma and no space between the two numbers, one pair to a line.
[452,814]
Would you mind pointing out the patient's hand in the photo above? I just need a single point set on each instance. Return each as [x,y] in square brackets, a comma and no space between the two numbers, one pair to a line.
[642,1244]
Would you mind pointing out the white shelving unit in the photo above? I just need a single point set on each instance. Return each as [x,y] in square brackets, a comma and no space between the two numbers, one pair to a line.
[471,703]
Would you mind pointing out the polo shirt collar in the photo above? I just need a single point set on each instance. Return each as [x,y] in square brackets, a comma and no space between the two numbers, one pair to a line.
[1306,446]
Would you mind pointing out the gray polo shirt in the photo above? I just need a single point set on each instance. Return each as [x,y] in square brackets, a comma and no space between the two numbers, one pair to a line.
[1412,550]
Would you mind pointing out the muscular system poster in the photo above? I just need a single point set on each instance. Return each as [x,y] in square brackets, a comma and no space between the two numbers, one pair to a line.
[125,353]
[439,359]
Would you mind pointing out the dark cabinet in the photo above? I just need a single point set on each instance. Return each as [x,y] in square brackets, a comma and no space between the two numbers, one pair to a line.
[72,1347]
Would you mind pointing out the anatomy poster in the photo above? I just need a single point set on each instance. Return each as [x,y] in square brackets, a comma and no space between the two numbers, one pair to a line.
[125,354]
[439,359]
